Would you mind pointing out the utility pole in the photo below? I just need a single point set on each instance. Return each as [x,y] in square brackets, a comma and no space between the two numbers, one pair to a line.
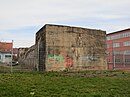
[12,57]
[124,58]
[113,55]
[114,62]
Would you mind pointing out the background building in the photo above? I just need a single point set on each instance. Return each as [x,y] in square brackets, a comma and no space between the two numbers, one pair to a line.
[63,47]
[118,49]
[6,52]
[26,58]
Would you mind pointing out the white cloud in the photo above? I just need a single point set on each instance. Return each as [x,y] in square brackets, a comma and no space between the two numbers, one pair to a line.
[109,15]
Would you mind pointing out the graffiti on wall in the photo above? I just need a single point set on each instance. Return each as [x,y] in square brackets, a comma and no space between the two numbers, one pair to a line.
[59,58]
[89,58]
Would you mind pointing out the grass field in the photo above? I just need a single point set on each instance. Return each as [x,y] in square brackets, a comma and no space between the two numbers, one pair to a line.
[66,84]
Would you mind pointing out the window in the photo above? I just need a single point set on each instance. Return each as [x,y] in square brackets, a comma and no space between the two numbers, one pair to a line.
[127,60]
[116,45]
[117,60]
[108,38]
[127,52]
[127,43]
[7,56]
[116,52]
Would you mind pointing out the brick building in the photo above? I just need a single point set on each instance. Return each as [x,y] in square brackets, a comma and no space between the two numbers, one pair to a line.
[63,47]
[118,48]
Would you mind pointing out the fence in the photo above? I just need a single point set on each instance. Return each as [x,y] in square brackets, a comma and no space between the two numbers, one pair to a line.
[119,61]
[56,63]
[12,52]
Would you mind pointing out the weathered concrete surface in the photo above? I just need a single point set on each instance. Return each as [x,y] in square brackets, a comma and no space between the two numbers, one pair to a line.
[21,54]
[64,47]
[26,58]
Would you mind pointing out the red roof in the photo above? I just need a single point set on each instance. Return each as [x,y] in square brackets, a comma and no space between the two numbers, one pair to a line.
[5,46]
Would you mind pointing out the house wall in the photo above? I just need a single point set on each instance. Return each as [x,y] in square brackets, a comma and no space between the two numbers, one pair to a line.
[5,58]
[63,47]
[1,57]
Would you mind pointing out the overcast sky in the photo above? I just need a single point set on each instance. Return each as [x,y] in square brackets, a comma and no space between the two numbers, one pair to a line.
[21,19]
